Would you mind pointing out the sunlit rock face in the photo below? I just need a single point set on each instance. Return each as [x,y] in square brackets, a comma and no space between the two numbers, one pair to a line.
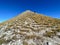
[30,28]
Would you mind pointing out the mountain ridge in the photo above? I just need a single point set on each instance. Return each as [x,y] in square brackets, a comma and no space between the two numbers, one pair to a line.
[30,28]
[35,16]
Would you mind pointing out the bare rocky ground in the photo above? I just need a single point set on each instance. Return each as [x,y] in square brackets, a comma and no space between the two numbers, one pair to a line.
[28,32]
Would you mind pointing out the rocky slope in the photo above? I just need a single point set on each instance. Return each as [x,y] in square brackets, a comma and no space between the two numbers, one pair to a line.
[30,28]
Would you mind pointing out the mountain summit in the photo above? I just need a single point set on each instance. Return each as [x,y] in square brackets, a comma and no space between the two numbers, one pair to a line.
[28,11]
[30,28]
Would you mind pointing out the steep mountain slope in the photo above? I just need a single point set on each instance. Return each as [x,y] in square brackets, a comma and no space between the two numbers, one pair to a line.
[30,28]
[38,18]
